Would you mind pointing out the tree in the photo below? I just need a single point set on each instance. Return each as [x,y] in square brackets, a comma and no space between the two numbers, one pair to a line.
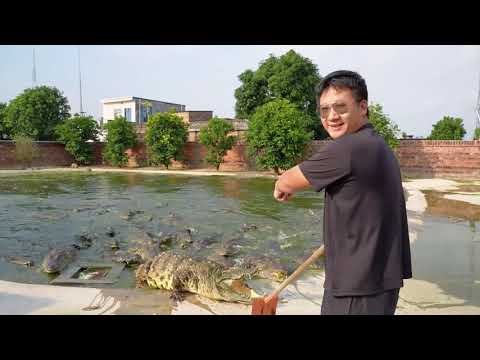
[449,128]
[165,137]
[291,77]
[476,135]
[216,139]
[277,135]
[74,133]
[4,131]
[121,136]
[36,112]
[383,125]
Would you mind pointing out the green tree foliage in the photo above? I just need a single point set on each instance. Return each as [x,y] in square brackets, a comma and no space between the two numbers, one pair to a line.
[476,135]
[277,135]
[74,133]
[121,136]
[291,77]
[3,125]
[165,137]
[25,150]
[216,139]
[449,128]
[383,125]
[36,112]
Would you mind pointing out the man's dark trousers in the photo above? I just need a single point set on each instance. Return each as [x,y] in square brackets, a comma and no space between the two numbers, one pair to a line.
[384,303]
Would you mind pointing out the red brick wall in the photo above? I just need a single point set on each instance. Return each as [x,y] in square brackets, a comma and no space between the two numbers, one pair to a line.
[194,153]
[427,158]
[439,158]
[48,154]
[435,158]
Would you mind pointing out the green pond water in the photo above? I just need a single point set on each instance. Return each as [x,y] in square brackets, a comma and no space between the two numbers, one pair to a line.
[39,212]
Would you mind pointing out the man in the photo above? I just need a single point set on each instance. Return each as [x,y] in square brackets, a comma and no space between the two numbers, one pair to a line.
[367,248]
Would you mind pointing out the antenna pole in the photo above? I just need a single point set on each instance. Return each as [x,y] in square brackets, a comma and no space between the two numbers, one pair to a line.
[477,110]
[34,71]
[80,82]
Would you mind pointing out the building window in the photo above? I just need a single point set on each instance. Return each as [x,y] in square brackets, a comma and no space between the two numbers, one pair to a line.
[117,113]
[146,113]
[128,114]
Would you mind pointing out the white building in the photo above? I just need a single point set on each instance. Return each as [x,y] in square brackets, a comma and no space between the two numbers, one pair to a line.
[135,109]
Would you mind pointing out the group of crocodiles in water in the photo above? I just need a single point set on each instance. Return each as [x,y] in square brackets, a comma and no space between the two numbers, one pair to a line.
[168,262]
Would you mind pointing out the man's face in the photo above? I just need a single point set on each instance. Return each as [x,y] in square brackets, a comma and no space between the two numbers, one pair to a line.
[340,113]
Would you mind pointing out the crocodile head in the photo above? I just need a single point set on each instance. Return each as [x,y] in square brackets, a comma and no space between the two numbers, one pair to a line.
[272,273]
[57,259]
[265,268]
[233,288]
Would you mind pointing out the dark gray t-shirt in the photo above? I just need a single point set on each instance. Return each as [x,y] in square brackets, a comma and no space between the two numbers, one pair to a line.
[365,228]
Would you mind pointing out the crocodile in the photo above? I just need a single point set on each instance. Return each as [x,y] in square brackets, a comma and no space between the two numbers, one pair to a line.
[127,257]
[19,261]
[248,227]
[264,267]
[182,273]
[128,215]
[143,249]
[110,231]
[182,239]
[57,259]
[172,218]
[84,240]
[226,248]
[206,241]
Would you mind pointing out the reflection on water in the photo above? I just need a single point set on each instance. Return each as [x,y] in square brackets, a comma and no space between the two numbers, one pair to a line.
[448,254]
[473,187]
[438,205]
[447,249]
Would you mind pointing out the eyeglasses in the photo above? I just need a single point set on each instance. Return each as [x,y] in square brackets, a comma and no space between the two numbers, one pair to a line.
[338,108]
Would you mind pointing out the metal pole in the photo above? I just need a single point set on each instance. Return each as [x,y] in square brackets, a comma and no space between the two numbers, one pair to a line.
[80,82]
[34,71]
[477,109]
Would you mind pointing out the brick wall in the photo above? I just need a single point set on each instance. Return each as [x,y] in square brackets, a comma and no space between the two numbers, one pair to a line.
[194,153]
[434,158]
[439,158]
[49,153]
[426,158]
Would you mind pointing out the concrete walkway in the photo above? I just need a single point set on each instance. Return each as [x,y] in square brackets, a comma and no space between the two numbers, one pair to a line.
[304,298]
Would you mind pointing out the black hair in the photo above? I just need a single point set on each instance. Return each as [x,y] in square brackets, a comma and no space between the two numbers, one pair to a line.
[343,79]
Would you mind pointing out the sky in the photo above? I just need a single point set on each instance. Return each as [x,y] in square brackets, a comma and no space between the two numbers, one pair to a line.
[417,85]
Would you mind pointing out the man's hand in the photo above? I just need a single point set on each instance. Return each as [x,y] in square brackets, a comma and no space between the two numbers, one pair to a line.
[288,183]
[281,196]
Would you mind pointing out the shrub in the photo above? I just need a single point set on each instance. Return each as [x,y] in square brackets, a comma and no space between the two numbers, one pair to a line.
[216,139]
[121,136]
[74,133]
[165,138]
[25,150]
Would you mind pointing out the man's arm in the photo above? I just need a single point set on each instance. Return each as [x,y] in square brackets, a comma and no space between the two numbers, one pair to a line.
[290,182]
